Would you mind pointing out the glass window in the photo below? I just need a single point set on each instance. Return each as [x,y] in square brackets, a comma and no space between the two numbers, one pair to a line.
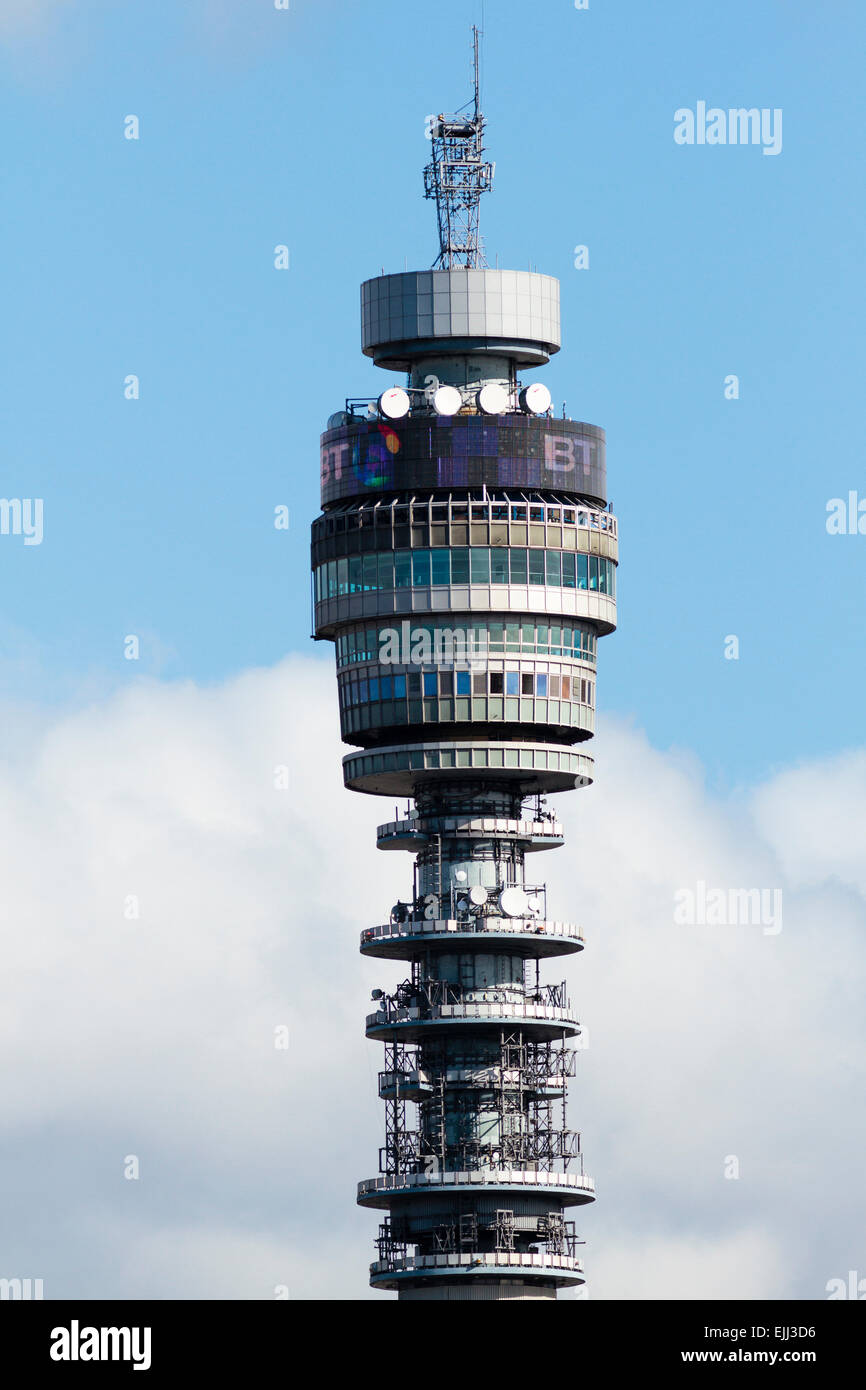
[364,691]
[479,683]
[536,566]
[541,682]
[497,685]
[499,566]
[527,683]
[568,569]
[554,687]
[414,683]
[566,687]
[332,579]
[441,567]
[386,570]
[374,688]
[512,682]
[385,688]
[582,572]
[370,578]
[420,569]
[593,572]
[529,635]
[460,566]
[464,683]
[518,566]
[354,574]
[512,637]
[399,687]
[402,569]
[446,683]
[430,683]
[480,565]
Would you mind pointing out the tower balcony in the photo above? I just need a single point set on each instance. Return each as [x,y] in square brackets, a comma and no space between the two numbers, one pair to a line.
[527,766]
[569,1189]
[411,1024]
[416,833]
[527,937]
[563,1270]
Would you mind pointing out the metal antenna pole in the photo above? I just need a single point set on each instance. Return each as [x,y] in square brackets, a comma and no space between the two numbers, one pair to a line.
[456,178]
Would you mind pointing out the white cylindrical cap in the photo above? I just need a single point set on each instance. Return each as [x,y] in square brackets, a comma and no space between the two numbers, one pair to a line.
[447,400]
[535,399]
[492,399]
[394,403]
[513,902]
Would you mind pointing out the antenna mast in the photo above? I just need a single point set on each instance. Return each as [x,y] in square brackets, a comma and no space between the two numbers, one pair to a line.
[456,178]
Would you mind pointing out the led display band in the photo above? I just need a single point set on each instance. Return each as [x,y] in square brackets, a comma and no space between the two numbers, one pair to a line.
[366,457]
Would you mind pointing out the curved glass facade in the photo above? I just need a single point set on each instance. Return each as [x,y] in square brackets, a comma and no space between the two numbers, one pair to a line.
[551,696]
[424,569]
[513,637]
[394,523]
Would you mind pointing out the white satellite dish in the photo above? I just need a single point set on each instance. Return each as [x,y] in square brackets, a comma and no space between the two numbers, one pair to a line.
[447,400]
[534,906]
[535,399]
[513,902]
[492,399]
[478,896]
[460,875]
[394,403]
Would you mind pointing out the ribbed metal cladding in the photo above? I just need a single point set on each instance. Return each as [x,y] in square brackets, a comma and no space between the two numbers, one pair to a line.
[511,551]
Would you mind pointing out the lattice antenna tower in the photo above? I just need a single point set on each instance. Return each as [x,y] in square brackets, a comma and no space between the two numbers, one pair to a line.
[456,177]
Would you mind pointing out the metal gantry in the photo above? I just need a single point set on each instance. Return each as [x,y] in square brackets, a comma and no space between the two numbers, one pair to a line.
[456,178]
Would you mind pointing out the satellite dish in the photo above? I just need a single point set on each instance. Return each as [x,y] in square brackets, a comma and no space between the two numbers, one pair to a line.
[394,403]
[447,400]
[534,906]
[492,399]
[478,896]
[513,902]
[535,399]
[336,422]
[460,875]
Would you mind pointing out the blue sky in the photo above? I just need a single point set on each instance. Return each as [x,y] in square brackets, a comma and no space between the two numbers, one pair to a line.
[306,128]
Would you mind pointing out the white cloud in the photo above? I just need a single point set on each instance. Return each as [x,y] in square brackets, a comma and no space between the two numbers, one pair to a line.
[739,1266]
[154,1036]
